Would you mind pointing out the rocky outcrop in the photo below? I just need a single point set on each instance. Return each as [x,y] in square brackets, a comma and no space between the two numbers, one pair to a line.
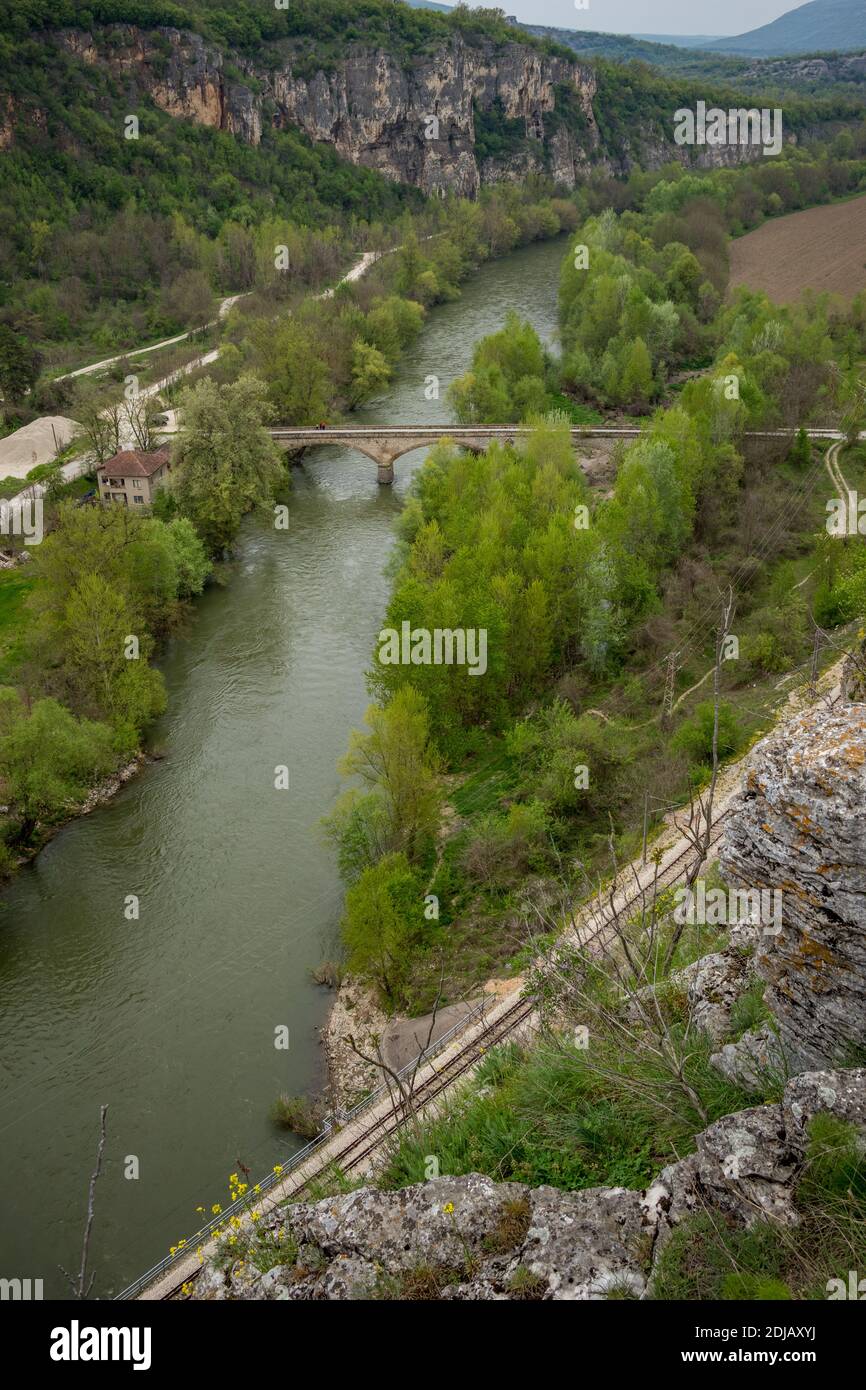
[798,827]
[412,119]
[416,119]
[179,71]
[754,1061]
[714,984]
[466,1238]
[354,1014]
[470,1238]
[785,72]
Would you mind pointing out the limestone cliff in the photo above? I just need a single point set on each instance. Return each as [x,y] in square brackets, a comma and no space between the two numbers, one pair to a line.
[799,827]
[419,118]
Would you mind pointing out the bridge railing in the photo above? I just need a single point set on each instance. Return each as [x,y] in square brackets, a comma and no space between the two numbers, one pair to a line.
[333,1125]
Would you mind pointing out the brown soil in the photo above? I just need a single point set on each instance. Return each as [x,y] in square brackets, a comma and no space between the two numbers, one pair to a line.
[820,249]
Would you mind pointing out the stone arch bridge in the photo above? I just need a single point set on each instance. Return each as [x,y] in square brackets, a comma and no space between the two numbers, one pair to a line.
[385,444]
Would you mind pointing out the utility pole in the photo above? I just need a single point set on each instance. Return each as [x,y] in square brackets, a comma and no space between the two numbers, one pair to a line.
[645,818]
[813,675]
[670,687]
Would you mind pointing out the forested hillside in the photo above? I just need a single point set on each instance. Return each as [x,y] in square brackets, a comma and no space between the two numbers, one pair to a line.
[583,592]
[822,74]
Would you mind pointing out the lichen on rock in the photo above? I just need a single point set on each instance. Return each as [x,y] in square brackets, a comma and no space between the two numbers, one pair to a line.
[798,827]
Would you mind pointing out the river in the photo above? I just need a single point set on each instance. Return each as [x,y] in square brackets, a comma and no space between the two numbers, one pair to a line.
[170,1019]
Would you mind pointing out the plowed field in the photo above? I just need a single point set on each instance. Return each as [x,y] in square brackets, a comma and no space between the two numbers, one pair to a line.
[820,249]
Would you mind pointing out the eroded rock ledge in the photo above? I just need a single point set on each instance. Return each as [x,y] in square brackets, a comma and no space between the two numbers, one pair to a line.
[472,1238]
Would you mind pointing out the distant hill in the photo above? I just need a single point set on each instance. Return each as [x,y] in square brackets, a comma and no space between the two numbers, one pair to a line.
[822,26]
[626,48]
[785,76]
[680,40]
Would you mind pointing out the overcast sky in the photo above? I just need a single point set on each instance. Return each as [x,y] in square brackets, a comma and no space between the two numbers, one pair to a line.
[652,16]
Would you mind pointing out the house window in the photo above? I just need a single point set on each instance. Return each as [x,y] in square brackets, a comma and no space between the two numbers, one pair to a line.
[136,482]
[138,499]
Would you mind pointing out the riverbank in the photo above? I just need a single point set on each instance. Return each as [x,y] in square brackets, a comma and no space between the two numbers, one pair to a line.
[101,794]
[389,1042]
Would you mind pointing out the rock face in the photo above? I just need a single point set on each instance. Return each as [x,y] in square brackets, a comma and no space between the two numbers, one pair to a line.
[470,1238]
[467,1237]
[414,119]
[714,984]
[799,828]
[757,1057]
[354,1014]
[184,75]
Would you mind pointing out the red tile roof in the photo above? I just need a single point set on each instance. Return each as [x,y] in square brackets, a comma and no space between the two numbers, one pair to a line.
[134,463]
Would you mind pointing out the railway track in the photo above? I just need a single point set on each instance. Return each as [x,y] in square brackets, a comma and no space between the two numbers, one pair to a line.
[387,1124]
[384,1126]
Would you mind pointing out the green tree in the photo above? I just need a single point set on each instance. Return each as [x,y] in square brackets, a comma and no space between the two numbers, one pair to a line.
[395,759]
[695,736]
[19,364]
[102,662]
[801,450]
[48,758]
[296,377]
[134,554]
[636,382]
[225,461]
[189,300]
[383,927]
[370,371]
[192,565]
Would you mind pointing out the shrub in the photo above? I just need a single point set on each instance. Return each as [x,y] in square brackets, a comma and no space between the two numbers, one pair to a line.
[329,973]
[695,736]
[299,1114]
[507,846]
